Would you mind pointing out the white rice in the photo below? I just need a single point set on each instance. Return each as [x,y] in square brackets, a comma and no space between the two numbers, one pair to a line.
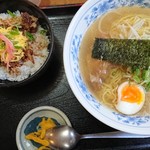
[5,16]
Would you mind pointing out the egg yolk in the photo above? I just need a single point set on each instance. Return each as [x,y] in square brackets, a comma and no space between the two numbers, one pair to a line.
[131,94]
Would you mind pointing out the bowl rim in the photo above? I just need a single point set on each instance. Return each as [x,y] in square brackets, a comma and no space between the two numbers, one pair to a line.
[33,111]
[50,48]
[66,58]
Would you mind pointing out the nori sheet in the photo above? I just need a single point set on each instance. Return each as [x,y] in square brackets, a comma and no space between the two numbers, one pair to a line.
[126,52]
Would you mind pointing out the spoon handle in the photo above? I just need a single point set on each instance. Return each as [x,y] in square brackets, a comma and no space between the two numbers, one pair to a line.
[115,134]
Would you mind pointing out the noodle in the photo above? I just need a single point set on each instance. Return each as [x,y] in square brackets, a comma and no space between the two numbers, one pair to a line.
[131,27]
[109,89]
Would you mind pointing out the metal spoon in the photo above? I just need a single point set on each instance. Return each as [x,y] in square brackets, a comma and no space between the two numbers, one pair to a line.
[65,137]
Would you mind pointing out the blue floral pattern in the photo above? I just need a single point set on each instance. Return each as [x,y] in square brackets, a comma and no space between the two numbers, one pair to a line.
[132,120]
[94,12]
[74,53]
[106,5]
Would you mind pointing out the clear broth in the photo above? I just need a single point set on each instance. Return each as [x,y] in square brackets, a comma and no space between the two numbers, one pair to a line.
[96,72]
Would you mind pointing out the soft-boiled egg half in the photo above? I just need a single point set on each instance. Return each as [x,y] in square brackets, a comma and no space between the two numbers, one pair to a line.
[131,98]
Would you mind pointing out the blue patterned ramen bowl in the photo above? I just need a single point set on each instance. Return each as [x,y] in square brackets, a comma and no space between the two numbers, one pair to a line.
[86,15]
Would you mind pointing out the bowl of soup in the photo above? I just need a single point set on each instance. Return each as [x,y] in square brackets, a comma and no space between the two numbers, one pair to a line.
[106,59]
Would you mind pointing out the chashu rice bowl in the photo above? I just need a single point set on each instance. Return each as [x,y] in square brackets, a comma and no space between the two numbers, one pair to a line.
[23,45]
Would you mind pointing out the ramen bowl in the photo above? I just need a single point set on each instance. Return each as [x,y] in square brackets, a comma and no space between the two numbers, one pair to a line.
[28,74]
[30,121]
[84,18]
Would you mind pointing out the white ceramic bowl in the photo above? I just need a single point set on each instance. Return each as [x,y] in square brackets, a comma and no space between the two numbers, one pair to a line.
[86,15]
[43,111]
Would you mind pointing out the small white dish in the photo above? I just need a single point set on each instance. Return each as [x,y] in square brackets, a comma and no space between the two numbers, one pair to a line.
[43,111]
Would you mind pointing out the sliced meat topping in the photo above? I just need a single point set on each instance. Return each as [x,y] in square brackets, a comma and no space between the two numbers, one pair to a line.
[28,55]
[29,23]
